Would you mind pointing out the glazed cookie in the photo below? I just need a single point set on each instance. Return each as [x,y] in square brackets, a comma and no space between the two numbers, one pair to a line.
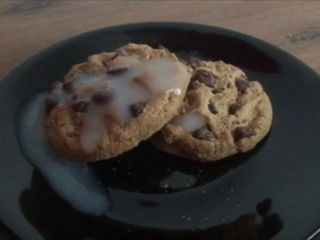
[223,114]
[113,101]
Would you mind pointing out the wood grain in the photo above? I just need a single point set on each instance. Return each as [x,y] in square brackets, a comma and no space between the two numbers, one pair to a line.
[27,27]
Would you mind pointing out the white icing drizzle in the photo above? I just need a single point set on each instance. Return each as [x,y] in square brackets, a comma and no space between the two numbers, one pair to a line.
[93,128]
[175,91]
[57,94]
[141,82]
[74,182]
[190,122]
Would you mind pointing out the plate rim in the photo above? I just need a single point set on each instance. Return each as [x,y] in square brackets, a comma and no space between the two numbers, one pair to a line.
[158,24]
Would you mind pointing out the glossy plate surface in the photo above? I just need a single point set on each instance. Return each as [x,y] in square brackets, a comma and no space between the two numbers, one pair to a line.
[271,192]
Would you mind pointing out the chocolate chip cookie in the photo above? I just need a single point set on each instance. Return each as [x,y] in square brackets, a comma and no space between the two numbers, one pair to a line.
[223,114]
[114,100]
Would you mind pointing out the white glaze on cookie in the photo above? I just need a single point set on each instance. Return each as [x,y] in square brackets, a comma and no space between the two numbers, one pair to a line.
[93,128]
[57,94]
[190,122]
[138,82]
[74,182]
[237,114]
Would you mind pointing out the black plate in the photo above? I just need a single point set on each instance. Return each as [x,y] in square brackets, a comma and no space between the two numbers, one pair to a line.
[271,192]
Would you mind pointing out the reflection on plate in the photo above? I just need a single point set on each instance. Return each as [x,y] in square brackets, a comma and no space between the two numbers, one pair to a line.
[73,181]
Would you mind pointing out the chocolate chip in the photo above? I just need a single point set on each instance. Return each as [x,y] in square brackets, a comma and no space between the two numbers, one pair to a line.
[117,71]
[212,108]
[204,77]
[137,108]
[243,132]
[80,106]
[204,134]
[242,85]
[67,87]
[49,104]
[196,62]
[233,108]
[101,98]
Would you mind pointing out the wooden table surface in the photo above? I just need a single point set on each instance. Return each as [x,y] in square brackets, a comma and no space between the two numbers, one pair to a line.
[26,27]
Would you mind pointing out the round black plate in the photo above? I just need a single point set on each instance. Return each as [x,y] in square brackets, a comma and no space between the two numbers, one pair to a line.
[271,192]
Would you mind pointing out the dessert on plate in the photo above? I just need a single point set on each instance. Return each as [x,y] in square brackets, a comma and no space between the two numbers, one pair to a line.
[223,114]
[113,101]
[200,110]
